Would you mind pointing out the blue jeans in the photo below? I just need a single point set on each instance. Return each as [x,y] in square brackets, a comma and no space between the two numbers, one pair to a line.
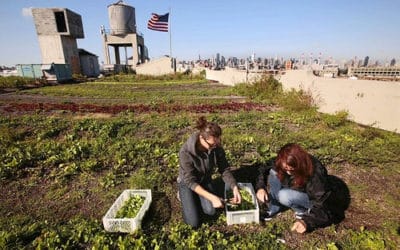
[280,197]
[193,205]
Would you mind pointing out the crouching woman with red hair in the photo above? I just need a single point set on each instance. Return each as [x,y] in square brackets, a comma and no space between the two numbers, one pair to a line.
[300,182]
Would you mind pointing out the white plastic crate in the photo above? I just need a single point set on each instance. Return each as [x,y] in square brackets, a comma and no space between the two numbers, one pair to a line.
[126,225]
[243,216]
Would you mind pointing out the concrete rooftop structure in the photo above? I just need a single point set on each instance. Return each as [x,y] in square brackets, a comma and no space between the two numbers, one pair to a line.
[57,30]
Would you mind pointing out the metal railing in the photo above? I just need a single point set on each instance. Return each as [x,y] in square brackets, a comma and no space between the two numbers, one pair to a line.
[119,31]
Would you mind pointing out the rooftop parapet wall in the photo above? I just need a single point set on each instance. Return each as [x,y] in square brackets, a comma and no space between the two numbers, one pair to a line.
[160,66]
[371,103]
[231,76]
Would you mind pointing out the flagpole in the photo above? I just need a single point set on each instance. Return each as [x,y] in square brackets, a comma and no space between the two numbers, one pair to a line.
[170,44]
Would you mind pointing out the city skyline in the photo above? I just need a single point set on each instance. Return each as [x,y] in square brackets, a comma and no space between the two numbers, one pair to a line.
[338,29]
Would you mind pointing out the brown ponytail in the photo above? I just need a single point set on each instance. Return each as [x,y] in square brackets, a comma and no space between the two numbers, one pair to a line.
[208,129]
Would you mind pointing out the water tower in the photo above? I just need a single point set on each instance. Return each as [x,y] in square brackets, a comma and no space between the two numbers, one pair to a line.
[123,34]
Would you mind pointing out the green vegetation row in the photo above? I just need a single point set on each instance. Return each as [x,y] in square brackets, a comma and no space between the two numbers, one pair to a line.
[20,82]
[17,82]
[69,147]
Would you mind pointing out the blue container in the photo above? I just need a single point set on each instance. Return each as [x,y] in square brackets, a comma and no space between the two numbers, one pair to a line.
[30,70]
[57,72]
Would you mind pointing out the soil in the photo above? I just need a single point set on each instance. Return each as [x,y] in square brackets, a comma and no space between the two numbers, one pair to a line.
[368,188]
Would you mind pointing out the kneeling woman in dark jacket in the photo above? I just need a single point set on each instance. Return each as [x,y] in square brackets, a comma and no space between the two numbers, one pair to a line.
[300,182]
[198,158]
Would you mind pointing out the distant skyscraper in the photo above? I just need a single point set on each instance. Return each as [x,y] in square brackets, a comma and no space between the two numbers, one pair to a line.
[393,62]
[217,61]
[253,57]
[319,58]
[366,59]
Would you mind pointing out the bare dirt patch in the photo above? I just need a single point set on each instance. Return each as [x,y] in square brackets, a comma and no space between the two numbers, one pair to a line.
[370,190]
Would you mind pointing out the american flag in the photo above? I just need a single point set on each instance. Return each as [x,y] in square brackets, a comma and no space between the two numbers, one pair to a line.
[159,23]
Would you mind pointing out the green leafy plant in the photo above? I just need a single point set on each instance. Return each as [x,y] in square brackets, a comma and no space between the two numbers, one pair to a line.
[131,207]
[336,120]
[247,201]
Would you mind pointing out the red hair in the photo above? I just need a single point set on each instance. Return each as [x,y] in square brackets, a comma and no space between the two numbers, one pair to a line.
[297,158]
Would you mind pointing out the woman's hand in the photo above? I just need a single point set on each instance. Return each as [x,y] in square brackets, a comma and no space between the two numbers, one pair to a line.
[299,226]
[216,202]
[237,198]
[262,195]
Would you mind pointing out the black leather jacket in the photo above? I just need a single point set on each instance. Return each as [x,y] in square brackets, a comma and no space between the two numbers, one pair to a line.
[318,190]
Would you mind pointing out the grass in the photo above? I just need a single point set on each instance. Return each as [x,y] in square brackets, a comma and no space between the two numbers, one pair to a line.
[141,93]
[62,169]
[8,83]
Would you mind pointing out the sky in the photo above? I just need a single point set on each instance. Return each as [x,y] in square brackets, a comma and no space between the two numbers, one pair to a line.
[341,29]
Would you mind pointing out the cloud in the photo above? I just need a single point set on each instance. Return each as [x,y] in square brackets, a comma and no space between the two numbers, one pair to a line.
[27,12]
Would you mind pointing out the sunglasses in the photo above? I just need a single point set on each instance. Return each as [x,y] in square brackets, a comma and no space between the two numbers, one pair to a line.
[217,140]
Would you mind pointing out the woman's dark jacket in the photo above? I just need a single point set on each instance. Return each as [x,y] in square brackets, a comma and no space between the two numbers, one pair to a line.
[196,167]
[318,189]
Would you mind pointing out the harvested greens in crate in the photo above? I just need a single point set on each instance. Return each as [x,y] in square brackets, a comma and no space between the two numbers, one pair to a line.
[128,210]
[245,212]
